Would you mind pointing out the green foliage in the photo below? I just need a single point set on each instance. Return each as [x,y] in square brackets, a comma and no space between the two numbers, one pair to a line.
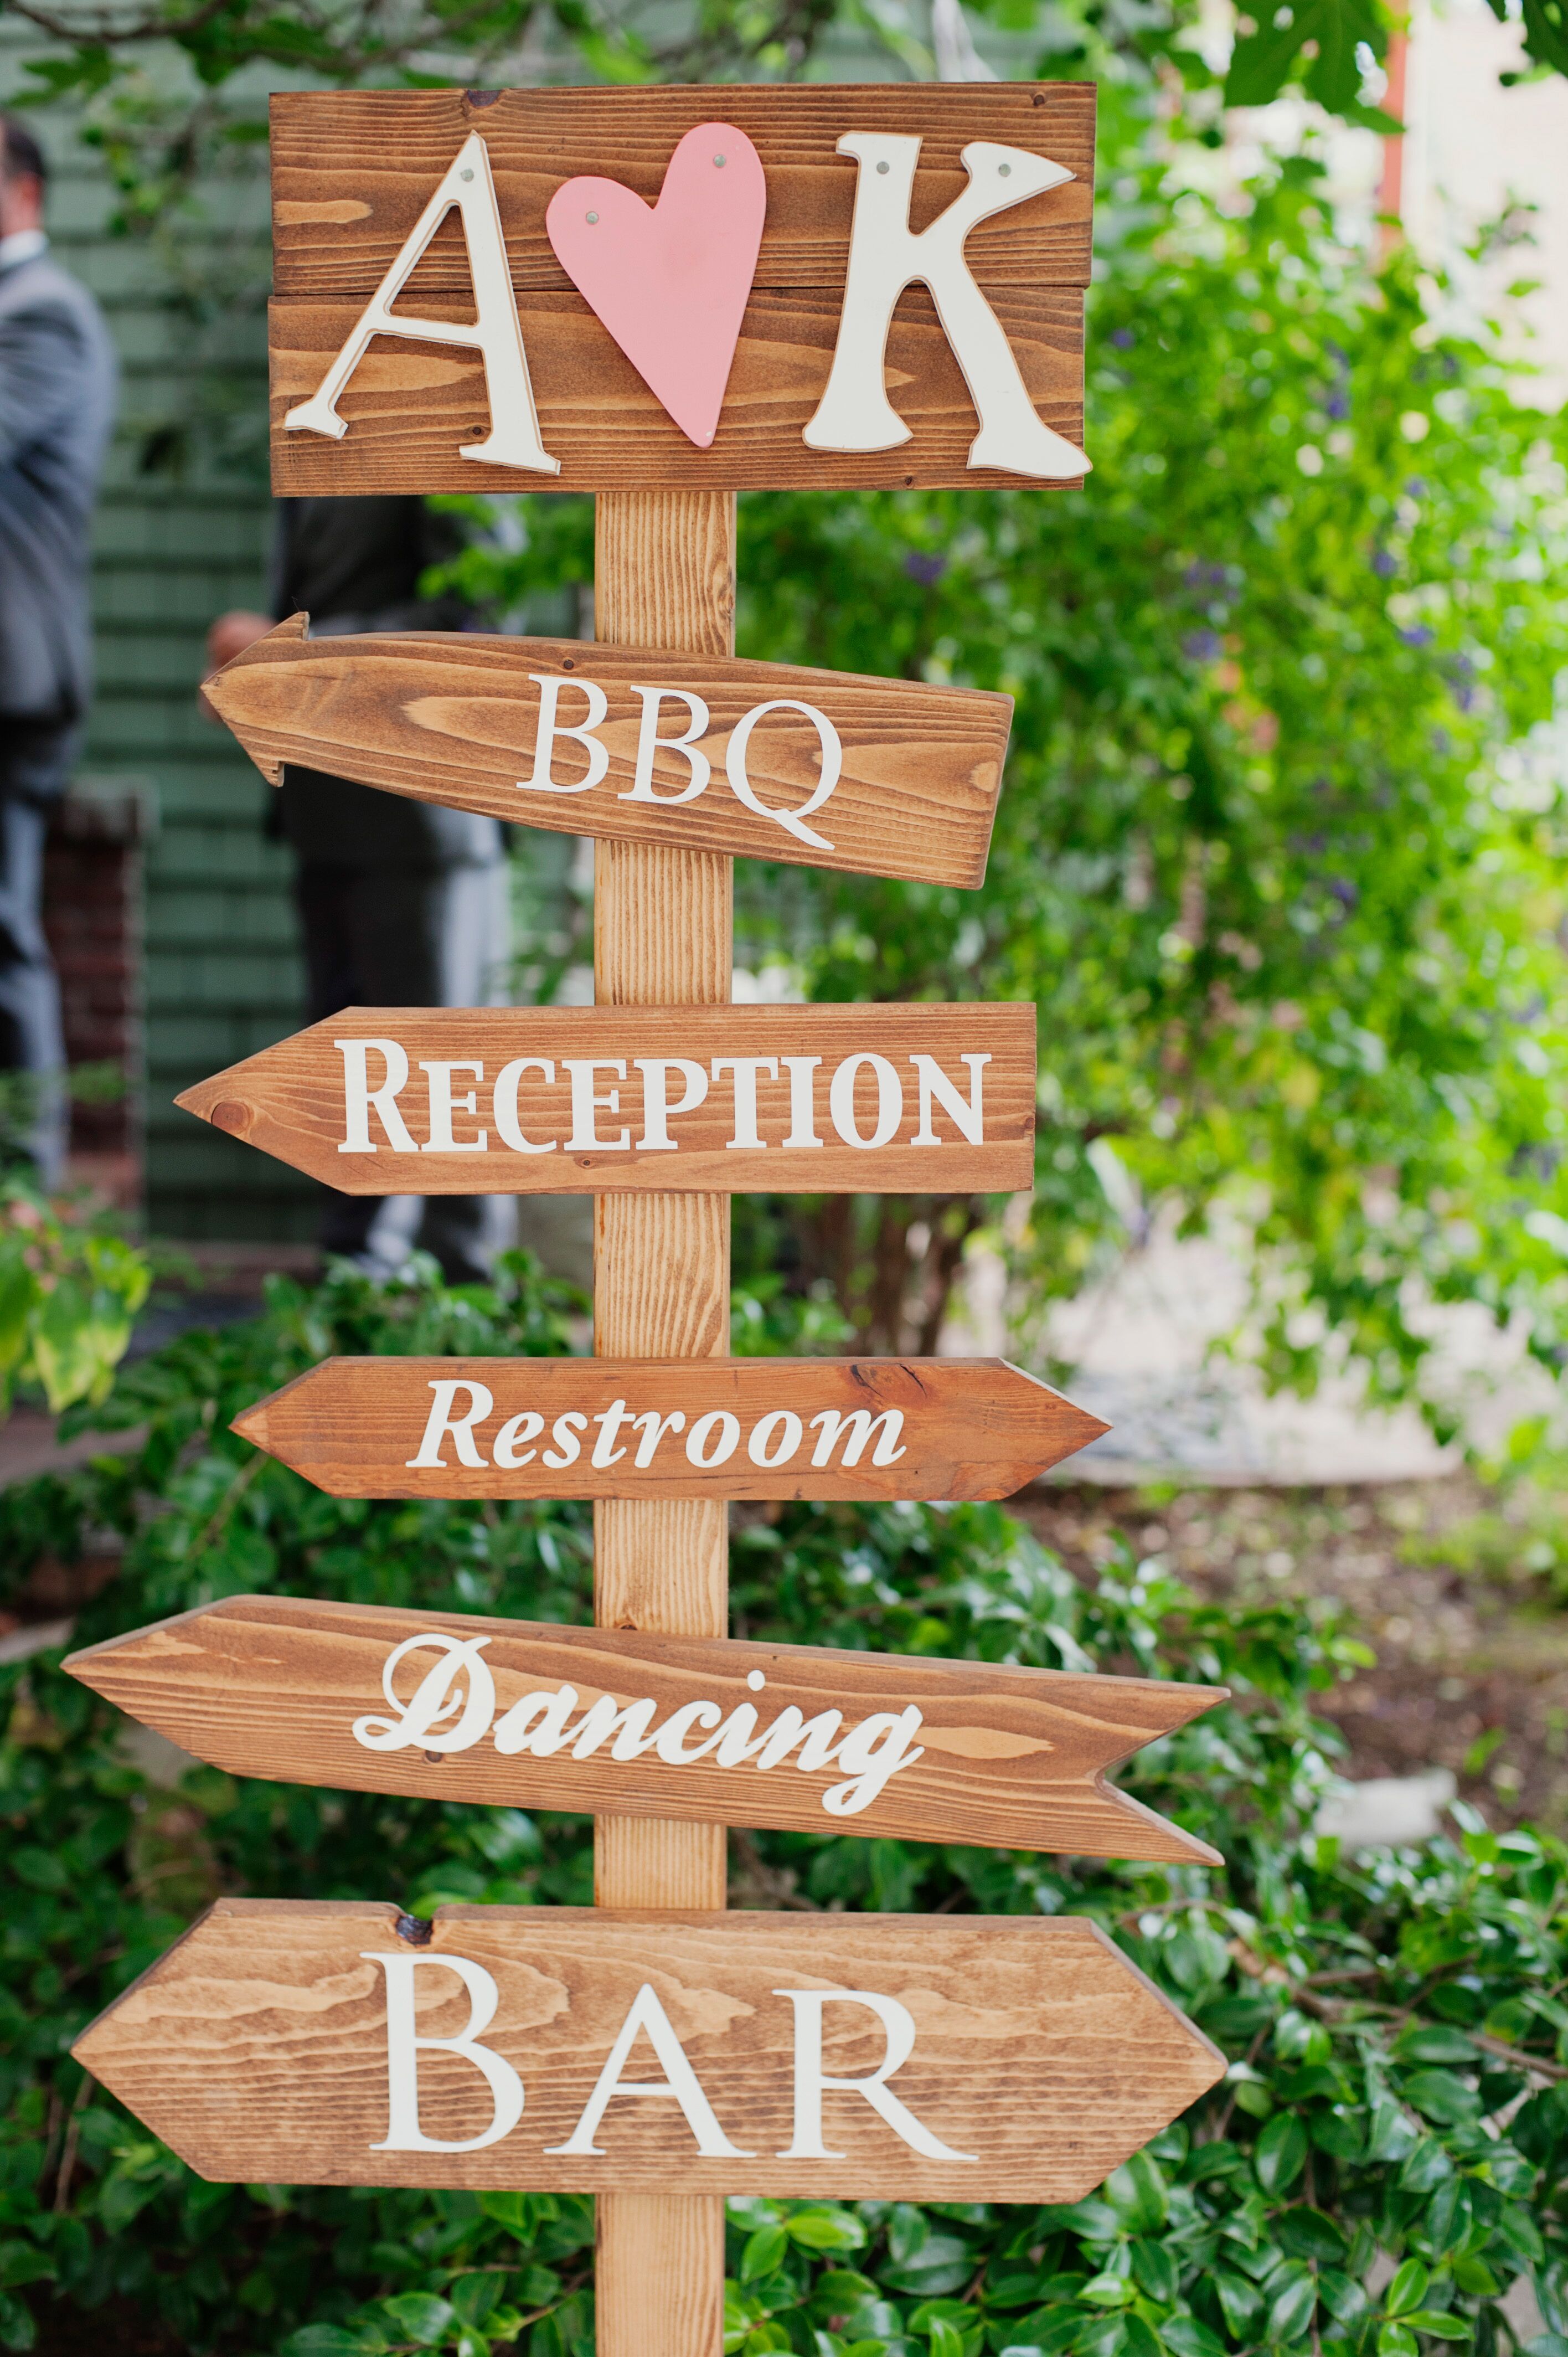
[1397,2037]
[1278,854]
[69,1289]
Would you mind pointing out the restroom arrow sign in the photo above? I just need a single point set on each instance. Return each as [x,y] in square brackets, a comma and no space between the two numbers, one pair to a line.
[536,1428]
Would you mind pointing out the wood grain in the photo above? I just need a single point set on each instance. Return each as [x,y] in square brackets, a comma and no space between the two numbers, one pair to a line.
[663,924]
[453,718]
[1009,1758]
[410,405]
[352,171]
[959,1428]
[258,2048]
[290,1100]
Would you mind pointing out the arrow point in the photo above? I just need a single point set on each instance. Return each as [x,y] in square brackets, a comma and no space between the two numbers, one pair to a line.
[219,697]
[252,1425]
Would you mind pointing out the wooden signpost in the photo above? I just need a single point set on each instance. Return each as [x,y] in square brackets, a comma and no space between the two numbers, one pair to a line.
[651,1429]
[661,295]
[523,1713]
[916,2058]
[885,776]
[592,1100]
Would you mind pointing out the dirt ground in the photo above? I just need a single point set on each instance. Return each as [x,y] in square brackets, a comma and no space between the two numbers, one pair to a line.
[1454,1599]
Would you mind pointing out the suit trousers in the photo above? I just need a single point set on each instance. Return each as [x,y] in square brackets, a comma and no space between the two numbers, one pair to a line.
[384,936]
[33,1108]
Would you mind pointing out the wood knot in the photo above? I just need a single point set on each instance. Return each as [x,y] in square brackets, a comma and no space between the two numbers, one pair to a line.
[481,97]
[417,1929]
[232,1115]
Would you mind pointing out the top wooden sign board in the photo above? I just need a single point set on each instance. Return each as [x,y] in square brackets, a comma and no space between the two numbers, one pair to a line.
[708,289]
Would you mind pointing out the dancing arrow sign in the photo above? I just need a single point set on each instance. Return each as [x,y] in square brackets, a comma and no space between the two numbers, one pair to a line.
[522,1714]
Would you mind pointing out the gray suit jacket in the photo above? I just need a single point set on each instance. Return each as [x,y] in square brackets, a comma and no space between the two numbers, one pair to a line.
[58,381]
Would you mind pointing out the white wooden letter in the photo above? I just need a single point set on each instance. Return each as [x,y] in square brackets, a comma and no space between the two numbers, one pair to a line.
[648,742]
[828,737]
[811,2078]
[513,438]
[433,1699]
[442,1421]
[403,2042]
[680,2083]
[359,1096]
[855,413]
[657,1110]
[936,1087]
[551,727]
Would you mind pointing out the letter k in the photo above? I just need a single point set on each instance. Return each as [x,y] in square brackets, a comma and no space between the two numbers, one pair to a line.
[885,256]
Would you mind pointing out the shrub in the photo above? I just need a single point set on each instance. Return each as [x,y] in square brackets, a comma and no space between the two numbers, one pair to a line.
[1398,2034]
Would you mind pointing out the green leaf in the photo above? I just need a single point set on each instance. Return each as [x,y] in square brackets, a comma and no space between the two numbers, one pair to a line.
[420,2316]
[762,2253]
[1408,2287]
[474,2296]
[1280,2154]
[1241,2302]
[1136,2191]
[1397,2341]
[1293,2301]
[826,2229]
[947,2341]
[1441,2097]
[1188,2337]
[1306,2234]
[1441,2326]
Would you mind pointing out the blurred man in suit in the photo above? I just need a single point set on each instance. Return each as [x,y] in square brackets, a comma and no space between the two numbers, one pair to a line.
[58,378]
[401,903]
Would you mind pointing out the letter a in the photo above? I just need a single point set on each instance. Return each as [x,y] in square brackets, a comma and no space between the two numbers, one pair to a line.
[855,413]
[513,438]
[679,2080]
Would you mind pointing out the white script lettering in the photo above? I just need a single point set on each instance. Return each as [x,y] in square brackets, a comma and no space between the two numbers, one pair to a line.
[459,1687]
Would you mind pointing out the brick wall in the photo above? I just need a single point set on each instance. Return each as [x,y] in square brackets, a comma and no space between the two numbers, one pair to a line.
[92,915]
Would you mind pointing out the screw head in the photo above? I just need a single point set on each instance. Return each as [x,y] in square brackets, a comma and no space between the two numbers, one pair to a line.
[591,217]
[1005,170]
[719,163]
[884,167]
[466,173]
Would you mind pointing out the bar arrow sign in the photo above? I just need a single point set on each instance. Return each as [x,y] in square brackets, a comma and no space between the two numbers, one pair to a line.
[526,1713]
[824,768]
[534,1427]
[920,2057]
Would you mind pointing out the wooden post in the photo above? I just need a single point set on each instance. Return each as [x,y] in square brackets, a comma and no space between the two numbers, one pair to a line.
[664,576]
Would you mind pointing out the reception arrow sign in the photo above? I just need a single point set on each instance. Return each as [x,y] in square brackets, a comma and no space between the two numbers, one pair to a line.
[388,1427]
[526,1713]
[885,776]
[916,2058]
[594,1100]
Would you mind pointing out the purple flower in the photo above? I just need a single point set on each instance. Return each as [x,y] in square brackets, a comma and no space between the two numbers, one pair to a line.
[1344,891]
[1418,635]
[1338,404]
[1121,338]
[1384,563]
[1202,645]
[923,568]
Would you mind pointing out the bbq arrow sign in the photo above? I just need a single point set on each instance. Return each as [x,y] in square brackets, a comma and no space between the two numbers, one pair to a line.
[701,752]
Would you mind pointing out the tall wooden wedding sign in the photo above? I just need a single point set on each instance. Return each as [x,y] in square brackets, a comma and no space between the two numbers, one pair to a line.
[618,291]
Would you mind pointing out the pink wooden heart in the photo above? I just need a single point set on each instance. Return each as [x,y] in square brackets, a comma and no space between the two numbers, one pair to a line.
[670,281]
